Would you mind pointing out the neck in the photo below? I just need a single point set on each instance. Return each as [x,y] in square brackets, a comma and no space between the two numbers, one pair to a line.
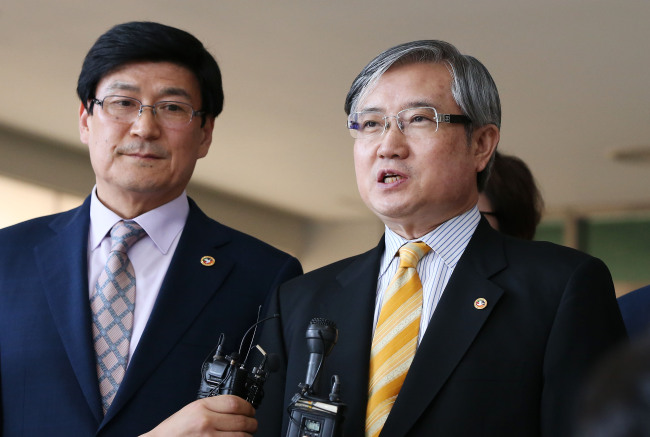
[414,229]
[129,206]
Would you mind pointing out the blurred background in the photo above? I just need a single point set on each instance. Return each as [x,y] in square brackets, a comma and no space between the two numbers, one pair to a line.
[573,77]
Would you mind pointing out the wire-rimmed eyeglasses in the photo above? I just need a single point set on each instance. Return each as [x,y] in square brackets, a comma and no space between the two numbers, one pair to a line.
[420,122]
[168,113]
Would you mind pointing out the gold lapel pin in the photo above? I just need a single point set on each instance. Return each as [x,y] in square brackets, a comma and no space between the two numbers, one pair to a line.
[207,261]
[480,303]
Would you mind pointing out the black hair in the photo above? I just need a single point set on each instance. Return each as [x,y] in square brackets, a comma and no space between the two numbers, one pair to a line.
[516,201]
[140,41]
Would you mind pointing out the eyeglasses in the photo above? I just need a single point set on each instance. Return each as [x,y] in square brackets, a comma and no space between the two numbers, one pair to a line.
[168,113]
[415,123]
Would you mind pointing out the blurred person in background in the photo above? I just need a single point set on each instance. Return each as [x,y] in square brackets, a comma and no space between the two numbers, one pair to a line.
[616,399]
[635,308]
[511,201]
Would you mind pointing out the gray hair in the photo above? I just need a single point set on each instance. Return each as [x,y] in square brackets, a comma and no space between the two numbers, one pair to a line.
[472,86]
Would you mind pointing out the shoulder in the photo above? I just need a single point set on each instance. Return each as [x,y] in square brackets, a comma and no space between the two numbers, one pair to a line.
[200,227]
[529,254]
[635,307]
[359,270]
[549,252]
[553,266]
[20,243]
[360,263]
[34,230]
[534,258]
[641,295]
[326,273]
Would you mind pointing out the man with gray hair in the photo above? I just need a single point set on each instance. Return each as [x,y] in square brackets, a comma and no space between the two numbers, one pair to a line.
[447,327]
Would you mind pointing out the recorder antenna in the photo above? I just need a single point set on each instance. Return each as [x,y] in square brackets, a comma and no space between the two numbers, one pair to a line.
[241,345]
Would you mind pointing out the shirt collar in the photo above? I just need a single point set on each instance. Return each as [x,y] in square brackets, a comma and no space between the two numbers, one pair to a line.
[162,224]
[448,240]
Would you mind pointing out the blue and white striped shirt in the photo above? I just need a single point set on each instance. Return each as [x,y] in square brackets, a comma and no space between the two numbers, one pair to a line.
[447,242]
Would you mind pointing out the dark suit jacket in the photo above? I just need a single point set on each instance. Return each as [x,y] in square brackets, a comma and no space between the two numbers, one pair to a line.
[48,375]
[635,308]
[510,369]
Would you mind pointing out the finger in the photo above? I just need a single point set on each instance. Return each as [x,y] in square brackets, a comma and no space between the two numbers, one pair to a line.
[229,404]
[235,424]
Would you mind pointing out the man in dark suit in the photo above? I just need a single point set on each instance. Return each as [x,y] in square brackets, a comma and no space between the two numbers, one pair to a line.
[635,308]
[149,97]
[501,331]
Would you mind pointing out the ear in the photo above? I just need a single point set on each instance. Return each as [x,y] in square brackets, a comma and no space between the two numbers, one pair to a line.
[484,142]
[206,137]
[83,124]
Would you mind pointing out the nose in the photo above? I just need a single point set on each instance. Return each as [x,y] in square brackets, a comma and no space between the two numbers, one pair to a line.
[143,107]
[145,125]
[389,123]
[393,142]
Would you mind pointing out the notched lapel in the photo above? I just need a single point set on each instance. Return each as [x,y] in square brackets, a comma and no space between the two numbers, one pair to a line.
[453,328]
[188,286]
[65,283]
[354,305]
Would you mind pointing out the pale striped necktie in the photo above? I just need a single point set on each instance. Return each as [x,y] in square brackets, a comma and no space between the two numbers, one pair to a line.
[112,307]
[396,337]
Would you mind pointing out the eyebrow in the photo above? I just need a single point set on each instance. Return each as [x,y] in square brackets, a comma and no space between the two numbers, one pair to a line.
[122,86]
[164,92]
[419,103]
[411,104]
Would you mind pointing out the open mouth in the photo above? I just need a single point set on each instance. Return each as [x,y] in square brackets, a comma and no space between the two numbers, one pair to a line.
[390,178]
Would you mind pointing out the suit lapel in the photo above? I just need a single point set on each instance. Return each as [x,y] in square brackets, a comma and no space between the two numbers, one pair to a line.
[454,325]
[65,283]
[354,305]
[186,289]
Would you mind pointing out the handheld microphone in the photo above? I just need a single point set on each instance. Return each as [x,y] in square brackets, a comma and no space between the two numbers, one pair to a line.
[321,337]
[309,414]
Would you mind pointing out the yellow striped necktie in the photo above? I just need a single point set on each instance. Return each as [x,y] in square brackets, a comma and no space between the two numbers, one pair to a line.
[396,337]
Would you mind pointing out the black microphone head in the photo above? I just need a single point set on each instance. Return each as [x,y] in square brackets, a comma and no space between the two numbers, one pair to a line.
[321,321]
[321,336]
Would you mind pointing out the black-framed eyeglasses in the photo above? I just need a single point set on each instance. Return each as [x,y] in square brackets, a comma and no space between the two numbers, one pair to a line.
[416,123]
[168,113]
